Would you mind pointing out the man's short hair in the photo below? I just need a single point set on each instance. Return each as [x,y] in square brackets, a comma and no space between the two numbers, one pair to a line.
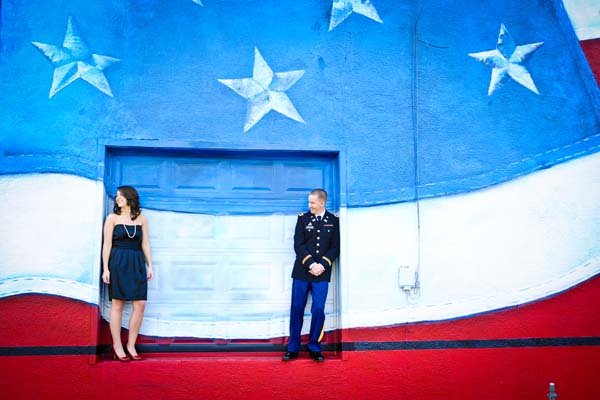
[320,193]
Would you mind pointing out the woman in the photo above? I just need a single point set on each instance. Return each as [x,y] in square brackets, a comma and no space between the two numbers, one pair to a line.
[125,254]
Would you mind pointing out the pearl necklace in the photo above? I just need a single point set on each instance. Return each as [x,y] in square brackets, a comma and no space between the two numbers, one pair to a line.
[134,231]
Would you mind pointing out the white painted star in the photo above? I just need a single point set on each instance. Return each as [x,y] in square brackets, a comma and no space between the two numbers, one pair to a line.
[506,60]
[341,9]
[74,60]
[265,91]
[198,2]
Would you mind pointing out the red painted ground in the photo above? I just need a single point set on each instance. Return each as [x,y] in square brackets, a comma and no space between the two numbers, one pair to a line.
[413,375]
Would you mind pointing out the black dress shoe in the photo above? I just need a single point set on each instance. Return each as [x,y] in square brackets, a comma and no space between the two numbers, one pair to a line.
[290,355]
[317,356]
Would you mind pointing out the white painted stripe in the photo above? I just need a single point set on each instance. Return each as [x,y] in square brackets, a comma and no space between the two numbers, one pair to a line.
[51,229]
[510,244]
[54,286]
[507,245]
[585,17]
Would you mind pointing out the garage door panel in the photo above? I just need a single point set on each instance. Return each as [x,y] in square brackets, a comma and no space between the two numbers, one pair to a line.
[199,230]
[194,277]
[180,230]
[249,279]
[255,229]
[143,173]
[253,176]
[297,178]
[190,177]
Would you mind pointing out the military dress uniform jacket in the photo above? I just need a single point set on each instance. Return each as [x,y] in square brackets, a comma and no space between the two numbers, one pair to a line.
[318,242]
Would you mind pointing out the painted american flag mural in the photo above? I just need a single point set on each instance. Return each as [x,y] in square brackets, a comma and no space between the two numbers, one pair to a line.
[467,134]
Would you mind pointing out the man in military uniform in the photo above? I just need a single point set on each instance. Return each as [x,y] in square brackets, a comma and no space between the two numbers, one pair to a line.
[317,245]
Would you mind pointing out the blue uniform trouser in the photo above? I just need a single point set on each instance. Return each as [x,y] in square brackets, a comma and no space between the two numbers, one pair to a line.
[300,291]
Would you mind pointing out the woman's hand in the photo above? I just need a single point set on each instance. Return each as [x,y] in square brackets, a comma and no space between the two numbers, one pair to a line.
[106,277]
[149,273]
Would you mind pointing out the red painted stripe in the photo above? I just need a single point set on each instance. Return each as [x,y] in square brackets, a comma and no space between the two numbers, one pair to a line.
[591,48]
[41,320]
[45,320]
[573,313]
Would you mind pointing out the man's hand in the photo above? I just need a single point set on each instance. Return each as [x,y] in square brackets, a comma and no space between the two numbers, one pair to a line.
[317,269]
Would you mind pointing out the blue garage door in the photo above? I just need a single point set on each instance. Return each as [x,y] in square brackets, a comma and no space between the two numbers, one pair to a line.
[222,226]
[224,182]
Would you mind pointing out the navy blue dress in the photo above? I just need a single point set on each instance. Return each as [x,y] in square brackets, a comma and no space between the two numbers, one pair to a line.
[127,265]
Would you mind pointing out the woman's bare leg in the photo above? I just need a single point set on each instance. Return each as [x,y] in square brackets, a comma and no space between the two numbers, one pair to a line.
[135,323]
[116,315]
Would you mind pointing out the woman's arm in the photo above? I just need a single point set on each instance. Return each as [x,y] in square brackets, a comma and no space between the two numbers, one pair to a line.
[146,245]
[109,226]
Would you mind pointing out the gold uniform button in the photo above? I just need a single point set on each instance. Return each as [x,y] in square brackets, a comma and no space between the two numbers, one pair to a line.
[318,244]
[318,230]
[317,251]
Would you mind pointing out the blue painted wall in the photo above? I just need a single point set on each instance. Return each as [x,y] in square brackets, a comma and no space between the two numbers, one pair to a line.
[392,97]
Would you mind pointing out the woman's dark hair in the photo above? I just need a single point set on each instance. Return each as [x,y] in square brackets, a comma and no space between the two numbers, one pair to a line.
[133,201]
